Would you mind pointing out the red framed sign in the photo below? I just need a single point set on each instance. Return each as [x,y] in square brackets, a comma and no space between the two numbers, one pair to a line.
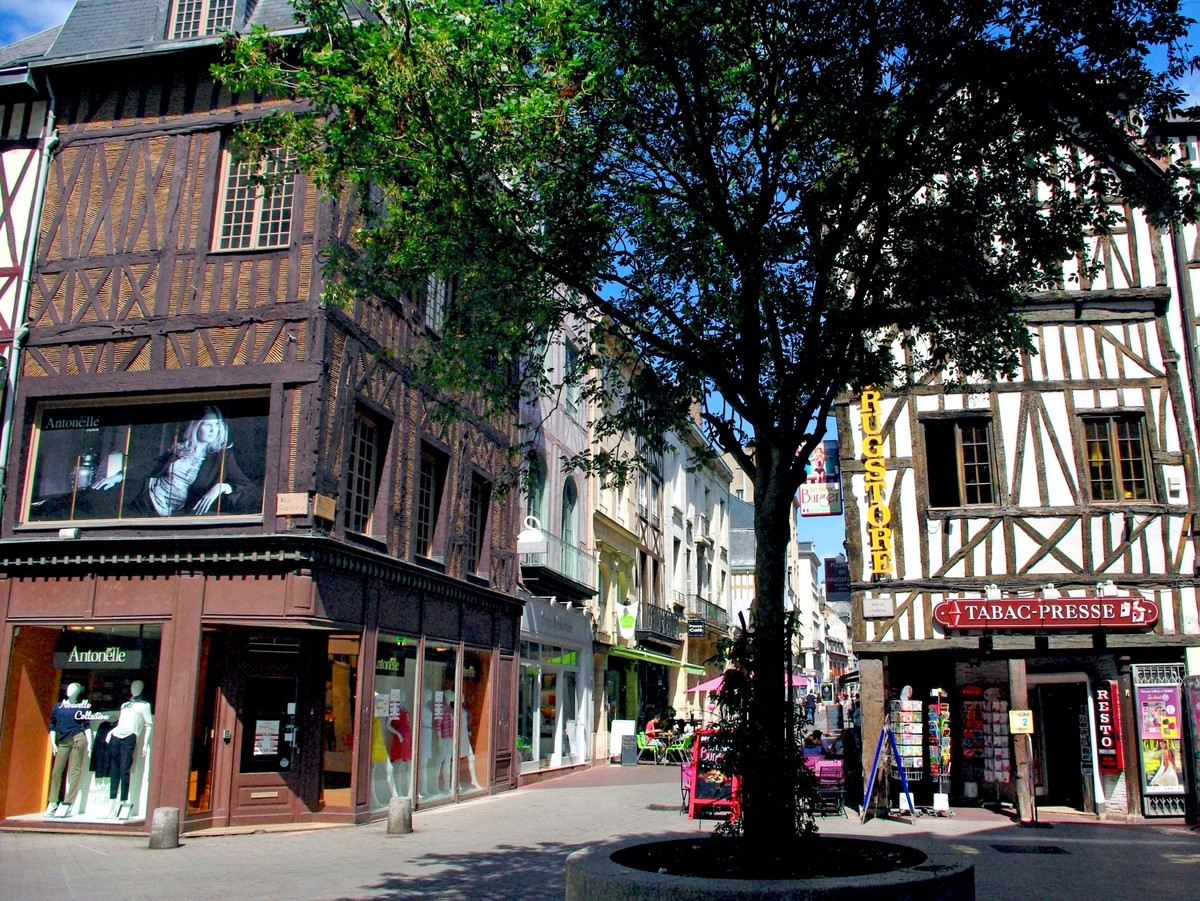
[713,792]
[1047,613]
[1108,728]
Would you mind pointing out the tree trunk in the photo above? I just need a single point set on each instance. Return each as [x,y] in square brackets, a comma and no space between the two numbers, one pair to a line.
[769,803]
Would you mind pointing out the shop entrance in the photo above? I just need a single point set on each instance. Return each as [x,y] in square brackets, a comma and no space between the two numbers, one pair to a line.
[1062,758]
[260,713]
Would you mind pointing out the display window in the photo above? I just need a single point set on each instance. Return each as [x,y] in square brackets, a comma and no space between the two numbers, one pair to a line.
[474,731]
[439,721]
[337,739]
[147,460]
[393,720]
[550,730]
[79,722]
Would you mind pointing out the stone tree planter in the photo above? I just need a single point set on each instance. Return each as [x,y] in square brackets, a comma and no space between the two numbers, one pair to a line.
[594,875]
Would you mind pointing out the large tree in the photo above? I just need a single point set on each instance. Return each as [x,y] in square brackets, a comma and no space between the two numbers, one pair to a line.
[754,202]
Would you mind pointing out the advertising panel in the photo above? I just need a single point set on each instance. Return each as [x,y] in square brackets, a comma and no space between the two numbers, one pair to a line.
[1191,695]
[147,461]
[1160,725]
[1108,728]
[821,493]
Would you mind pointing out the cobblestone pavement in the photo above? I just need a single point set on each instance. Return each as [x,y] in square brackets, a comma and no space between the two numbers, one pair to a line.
[511,847]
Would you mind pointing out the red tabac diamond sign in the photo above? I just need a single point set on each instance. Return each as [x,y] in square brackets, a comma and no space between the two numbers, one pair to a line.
[1047,613]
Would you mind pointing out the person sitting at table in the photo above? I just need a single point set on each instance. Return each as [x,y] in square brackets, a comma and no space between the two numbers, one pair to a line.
[812,744]
[654,732]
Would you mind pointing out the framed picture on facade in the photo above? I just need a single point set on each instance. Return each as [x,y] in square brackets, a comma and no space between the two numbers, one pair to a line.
[132,460]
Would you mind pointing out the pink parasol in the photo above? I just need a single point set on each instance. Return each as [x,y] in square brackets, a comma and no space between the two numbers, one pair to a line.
[798,681]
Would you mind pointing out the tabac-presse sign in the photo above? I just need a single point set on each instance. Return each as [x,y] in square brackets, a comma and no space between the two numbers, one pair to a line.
[879,517]
[821,493]
[1047,613]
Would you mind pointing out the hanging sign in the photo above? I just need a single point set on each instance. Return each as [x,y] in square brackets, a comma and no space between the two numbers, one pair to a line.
[1047,613]
[821,493]
[879,517]
[695,627]
[627,620]
[837,579]
[1108,728]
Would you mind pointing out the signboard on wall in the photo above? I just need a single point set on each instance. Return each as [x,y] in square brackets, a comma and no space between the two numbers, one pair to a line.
[1160,723]
[821,492]
[1108,728]
[837,579]
[1047,613]
[879,515]
[147,461]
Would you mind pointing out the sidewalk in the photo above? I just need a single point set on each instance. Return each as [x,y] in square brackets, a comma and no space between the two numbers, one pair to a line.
[512,847]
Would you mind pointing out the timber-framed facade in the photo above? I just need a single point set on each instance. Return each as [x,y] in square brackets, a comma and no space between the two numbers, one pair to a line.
[1073,485]
[266,582]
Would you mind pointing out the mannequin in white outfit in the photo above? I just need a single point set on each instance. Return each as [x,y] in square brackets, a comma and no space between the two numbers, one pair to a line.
[465,748]
[427,742]
[133,723]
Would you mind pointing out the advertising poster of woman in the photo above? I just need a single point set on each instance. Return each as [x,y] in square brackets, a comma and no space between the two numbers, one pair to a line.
[1160,718]
[148,461]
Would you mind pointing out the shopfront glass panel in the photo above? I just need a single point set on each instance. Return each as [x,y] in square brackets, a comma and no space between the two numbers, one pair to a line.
[269,728]
[337,738]
[438,724]
[92,691]
[572,741]
[392,721]
[204,724]
[528,698]
[548,719]
[474,725]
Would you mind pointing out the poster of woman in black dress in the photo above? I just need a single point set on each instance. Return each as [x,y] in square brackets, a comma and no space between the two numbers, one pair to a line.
[150,461]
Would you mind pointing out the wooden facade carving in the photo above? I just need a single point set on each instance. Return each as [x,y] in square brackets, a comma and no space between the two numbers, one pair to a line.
[1112,345]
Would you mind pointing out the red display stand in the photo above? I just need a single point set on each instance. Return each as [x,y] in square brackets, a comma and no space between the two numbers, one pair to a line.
[713,792]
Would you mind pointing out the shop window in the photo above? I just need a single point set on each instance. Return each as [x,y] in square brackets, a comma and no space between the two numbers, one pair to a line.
[254,209]
[431,480]
[474,726]
[527,713]
[393,723]
[337,740]
[958,457]
[1117,459]
[535,501]
[478,504]
[573,391]
[147,460]
[194,18]
[363,470]
[439,720]
[92,691]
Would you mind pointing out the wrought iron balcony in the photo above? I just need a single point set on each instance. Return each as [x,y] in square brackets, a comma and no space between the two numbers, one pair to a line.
[658,623]
[711,613]
[562,570]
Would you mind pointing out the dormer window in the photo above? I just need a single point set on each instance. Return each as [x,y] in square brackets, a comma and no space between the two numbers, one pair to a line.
[194,18]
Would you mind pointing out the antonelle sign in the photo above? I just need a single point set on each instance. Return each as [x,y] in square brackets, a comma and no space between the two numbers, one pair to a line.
[1047,613]
[98,658]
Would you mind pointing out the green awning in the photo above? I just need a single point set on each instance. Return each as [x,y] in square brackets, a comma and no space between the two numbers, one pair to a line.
[650,656]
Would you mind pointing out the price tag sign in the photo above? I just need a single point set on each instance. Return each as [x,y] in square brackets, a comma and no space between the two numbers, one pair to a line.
[1020,722]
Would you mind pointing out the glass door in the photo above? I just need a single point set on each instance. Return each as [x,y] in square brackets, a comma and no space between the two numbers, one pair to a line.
[549,747]
[527,715]
[572,740]
[270,733]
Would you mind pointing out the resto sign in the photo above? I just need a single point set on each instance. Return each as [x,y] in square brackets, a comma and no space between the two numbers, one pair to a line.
[1047,613]
[1108,728]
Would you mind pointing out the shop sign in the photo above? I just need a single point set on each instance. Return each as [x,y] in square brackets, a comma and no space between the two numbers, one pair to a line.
[879,517]
[1159,723]
[711,787]
[627,620]
[1047,613]
[837,579]
[1020,722]
[821,492]
[1108,728]
[695,628]
[97,658]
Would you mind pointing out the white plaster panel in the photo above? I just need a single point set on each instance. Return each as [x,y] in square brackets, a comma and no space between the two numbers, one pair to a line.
[954,401]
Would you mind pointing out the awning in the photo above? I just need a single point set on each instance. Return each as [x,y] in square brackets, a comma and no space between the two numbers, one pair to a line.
[651,657]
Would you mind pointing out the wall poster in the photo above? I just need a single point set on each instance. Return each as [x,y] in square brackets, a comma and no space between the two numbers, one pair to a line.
[1160,724]
[125,461]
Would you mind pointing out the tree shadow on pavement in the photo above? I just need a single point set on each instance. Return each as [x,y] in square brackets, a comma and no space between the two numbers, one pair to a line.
[503,873]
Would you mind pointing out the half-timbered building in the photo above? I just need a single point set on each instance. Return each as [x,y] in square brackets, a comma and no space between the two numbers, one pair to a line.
[1030,544]
[244,570]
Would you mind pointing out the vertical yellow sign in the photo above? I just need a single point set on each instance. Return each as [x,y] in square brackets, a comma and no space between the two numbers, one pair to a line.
[879,517]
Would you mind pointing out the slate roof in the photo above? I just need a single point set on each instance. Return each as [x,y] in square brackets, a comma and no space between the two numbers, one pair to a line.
[28,49]
[98,29]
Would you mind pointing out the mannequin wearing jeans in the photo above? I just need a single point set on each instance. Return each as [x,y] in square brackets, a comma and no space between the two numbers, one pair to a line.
[70,742]
[133,721]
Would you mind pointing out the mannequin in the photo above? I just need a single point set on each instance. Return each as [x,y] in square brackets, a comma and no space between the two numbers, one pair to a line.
[465,748]
[391,742]
[426,740]
[133,722]
[444,729]
[70,741]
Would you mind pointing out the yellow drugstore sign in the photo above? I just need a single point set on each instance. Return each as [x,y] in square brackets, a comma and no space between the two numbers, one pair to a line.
[879,517]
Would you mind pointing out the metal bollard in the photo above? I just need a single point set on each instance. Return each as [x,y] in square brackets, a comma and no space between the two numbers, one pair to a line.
[164,828]
[399,816]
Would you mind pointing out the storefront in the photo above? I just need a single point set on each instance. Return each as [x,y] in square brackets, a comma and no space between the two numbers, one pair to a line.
[271,683]
[554,687]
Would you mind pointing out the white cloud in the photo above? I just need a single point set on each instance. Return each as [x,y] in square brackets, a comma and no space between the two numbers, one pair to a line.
[21,18]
